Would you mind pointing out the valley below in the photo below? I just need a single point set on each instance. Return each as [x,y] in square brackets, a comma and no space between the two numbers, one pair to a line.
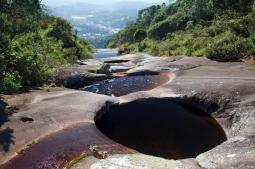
[96,22]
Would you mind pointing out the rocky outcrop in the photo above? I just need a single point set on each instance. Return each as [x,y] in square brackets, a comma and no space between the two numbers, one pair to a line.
[140,161]
[105,69]
[76,78]
[51,112]
[224,90]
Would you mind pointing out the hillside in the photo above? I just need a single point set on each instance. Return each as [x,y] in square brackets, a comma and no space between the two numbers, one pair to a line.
[222,31]
[97,22]
[33,44]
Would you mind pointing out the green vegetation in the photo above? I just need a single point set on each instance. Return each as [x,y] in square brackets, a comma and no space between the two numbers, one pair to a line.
[33,44]
[220,30]
[74,161]
[140,35]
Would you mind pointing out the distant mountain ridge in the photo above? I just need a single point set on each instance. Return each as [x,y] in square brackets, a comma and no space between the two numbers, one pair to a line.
[98,22]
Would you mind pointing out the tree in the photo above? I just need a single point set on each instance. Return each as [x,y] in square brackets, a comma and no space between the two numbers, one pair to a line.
[127,35]
[62,30]
[159,17]
[173,23]
[201,9]
[146,15]
[4,5]
[240,6]
[140,35]
[253,7]
[33,44]
[193,27]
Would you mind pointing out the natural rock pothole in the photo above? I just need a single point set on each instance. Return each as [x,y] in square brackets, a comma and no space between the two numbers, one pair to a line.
[125,85]
[26,119]
[161,128]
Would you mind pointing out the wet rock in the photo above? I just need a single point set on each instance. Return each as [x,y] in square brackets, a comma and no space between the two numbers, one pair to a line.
[154,65]
[115,61]
[224,90]
[142,72]
[2,105]
[126,85]
[54,111]
[117,69]
[105,69]
[77,79]
[80,62]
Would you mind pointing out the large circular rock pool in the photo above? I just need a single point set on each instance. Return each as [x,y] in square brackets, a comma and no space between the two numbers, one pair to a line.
[161,128]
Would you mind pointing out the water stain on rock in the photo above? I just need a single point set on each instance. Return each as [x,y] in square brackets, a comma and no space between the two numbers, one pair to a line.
[58,149]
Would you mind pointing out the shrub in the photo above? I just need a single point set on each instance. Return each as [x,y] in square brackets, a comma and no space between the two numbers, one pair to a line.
[251,51]
[83,50]
[140,35]
[243,26]
[62,30]
[11,82]
[159,17]
[220,30]
[190,25]
[171,9]
[126,35]
[142,46]
[33,44]
[217,27]
[154,50]
[32,55]
[228,48]
[253,7]
[2,67]
[126,48]
[171,24]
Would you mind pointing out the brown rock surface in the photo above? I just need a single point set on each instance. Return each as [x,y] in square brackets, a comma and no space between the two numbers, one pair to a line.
[50,111]
[225,90]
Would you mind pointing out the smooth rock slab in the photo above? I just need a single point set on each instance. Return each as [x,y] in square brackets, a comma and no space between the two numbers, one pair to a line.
[226,90]
[76,79]
[51,111]
[139,161]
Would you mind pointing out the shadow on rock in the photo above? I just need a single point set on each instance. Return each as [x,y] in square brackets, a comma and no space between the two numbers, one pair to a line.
[6,139]
[6,134]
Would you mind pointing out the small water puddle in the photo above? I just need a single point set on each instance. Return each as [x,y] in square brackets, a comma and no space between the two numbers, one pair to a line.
[105,53]
[161,128]
[125,85]
[56,150]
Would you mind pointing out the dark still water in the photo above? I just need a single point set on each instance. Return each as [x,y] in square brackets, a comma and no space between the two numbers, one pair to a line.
[125,85]
[56,150]
[161,128]
[105,53]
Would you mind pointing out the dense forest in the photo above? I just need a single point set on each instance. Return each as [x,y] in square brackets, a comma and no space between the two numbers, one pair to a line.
[33,44]
[222,30]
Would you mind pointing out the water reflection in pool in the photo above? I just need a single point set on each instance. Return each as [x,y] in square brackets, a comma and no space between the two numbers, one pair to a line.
[105,53]
[125,85]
